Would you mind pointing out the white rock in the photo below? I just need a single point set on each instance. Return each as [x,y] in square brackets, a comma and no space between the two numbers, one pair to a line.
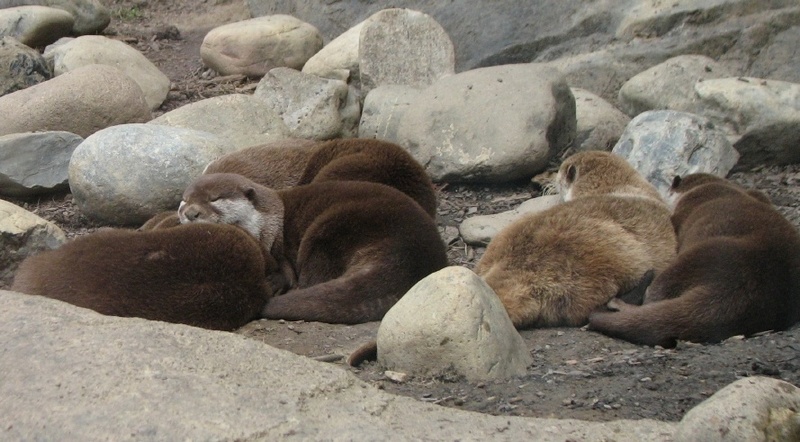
[405,47]
[452,320]
[20,66]
[35,163]
[762,115]
[96,49]
[383,110]
[82,101]
[479,230]
[243,120]
[35,25]
[481,126]
[750,409]
[312,107]
[599,123]
[21,235]
[253,47]
[669,85]
[127,173]
[339,58]
[661,144]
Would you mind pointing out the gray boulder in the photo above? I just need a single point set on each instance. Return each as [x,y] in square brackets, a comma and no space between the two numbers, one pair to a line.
[762,116]
[452,320]
[778,59]
[69,54]
[75,103]
[669,85]
[405,47]
[35,163]
[492,124]
[21,235]
[35,25]
[311,107]
[599,123]
[661,144]
[750,409]
[125,174]
[242,120]
[253,47]
[20,66]
[338,59]
[71,373]
[90,16]
[383,110]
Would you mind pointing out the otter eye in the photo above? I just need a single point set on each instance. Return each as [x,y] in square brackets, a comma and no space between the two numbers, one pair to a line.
[676,181]
[572,171]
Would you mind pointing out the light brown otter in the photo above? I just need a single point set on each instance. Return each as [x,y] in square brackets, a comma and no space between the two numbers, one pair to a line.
[218,282]
[737,271]
[294,162]
[356,247]
[553,268]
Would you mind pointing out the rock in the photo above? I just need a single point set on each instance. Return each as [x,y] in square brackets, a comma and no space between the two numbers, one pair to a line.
[90,16]
[21,235]
[75,103]
[405,47]
[65,56]
[765,114]
[125,174]
[750,409]
[778,59]
[383,110]
[661,144]
[599,123]
[253,47]
[338,59]
[479,230]
[312,107]
[35,25]
[71,371]
[452,320]
[35,163]
[669,85]
[21,66]
[480,126]
[243,120]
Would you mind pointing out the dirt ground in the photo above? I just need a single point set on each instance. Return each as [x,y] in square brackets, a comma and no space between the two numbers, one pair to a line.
[576,373]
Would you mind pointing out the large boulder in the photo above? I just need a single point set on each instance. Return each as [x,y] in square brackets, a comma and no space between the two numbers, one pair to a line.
[125,174]
[35,25]
[492,124]
[82,101]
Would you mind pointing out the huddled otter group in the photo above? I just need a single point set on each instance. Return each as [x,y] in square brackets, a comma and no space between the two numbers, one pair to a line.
[338,231]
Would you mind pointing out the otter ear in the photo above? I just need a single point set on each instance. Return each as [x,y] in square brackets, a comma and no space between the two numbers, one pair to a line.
[676,181]
[572,172]
[250,193]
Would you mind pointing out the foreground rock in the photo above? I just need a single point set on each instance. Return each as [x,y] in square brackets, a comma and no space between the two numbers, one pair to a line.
[35,163]
[73,102]
[21,235]
[125,174]
[452,320]
[70,373]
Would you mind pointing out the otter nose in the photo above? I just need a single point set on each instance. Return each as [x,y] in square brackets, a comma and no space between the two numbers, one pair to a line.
[190,213]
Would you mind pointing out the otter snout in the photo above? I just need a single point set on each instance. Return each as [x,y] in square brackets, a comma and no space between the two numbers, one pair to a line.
[189,213]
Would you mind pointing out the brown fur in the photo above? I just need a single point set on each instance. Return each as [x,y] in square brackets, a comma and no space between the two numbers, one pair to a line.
[217,283]
[290,163]
[737,271]
[355,247]
[554,267]
[163,220]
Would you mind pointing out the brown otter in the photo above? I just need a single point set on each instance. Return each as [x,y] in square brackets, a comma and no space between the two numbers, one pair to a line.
[554,267]
[218,283]
[356,247]
[162,220]
[293,162]
[737,271]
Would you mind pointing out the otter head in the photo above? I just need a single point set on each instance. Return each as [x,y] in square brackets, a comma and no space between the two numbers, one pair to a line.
[601,173]
[223,198]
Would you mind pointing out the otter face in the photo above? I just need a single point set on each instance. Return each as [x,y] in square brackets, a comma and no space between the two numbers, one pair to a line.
[222,199]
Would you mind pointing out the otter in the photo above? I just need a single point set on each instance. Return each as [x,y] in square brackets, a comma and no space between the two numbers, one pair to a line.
[293,162]
[161,220]
[737,271]
[216,283]
[553,268]
[355,247]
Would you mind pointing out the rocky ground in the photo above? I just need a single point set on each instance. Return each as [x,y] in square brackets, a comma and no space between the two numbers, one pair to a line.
[575,374]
